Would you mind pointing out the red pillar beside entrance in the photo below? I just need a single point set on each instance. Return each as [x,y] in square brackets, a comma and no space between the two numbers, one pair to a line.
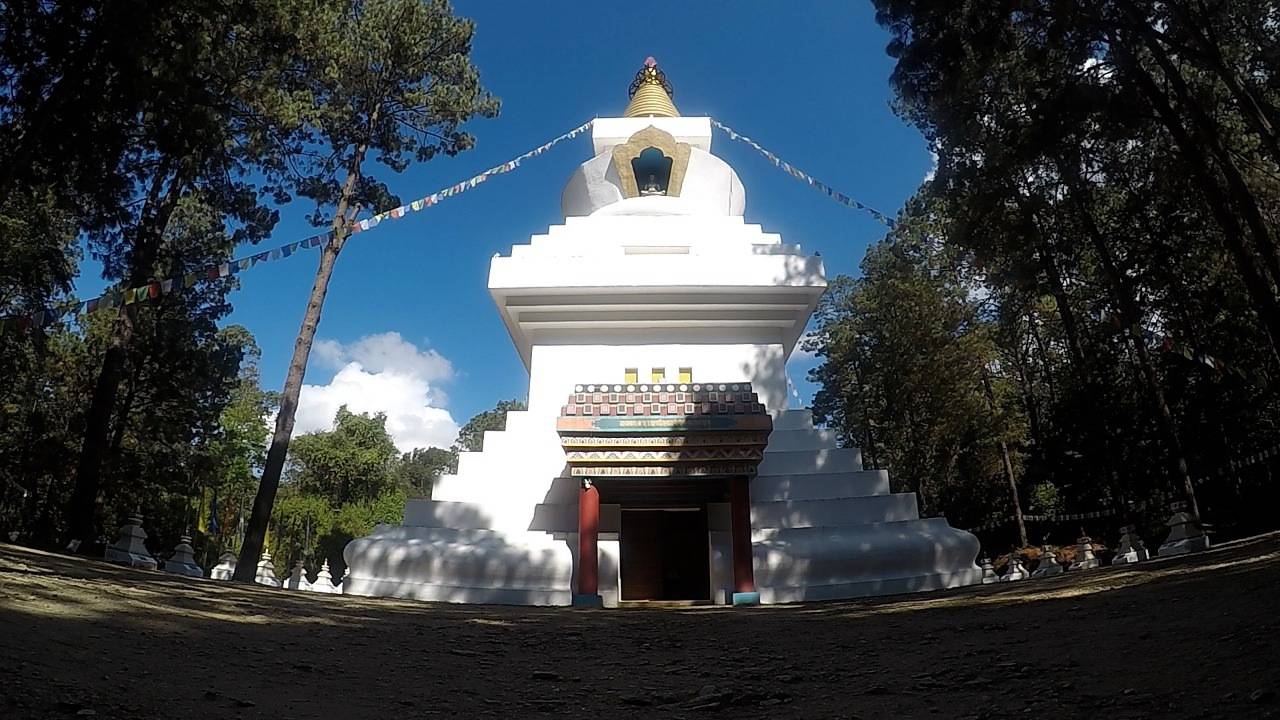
[588,593]
[744,578]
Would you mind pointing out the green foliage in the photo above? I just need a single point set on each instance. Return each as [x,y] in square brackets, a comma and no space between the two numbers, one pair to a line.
[341,483]
[142,126]
[350,462]
[1045,499]
[236,453]
[358,519]
[301,522]
[389,81]
[471,435]
[907,357]
[1102,213]
[152,134]
[167,436]
[417,471]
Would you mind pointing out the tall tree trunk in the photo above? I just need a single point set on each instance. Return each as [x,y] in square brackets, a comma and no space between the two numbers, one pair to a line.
[264,500]
[1253,107]
[1211,136]
[1029,402]
[1256,284]
[1008,467]
[85,504]
[124,412]
[1058,289]
[1132,314]
[1044,358]
[870,450]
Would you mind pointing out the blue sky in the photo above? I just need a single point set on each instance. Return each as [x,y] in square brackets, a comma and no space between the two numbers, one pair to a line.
[810,82]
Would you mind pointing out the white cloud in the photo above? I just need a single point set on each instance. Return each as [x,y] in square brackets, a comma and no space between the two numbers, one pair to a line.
[386,351]
[382,373]
[933,166]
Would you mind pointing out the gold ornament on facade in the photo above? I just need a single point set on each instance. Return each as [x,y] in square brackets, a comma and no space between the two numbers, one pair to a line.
[651,137]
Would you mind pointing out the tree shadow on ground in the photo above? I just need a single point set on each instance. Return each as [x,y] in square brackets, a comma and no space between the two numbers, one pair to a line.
[1189,636]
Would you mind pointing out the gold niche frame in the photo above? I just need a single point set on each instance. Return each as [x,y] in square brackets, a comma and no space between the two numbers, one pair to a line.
[651,137]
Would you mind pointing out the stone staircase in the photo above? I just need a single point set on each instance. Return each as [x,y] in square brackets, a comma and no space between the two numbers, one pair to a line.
[825,528]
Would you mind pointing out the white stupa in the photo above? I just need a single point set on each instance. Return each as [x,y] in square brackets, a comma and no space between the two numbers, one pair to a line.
[658,459]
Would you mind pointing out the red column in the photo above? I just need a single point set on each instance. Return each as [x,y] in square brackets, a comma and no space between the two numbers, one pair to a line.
[744,579]
[588,556]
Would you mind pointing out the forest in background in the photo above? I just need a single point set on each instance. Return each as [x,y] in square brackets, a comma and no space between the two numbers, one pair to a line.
[157,138]
[1078,311]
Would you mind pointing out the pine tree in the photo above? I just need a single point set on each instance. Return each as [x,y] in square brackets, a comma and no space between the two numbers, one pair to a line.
[391,81]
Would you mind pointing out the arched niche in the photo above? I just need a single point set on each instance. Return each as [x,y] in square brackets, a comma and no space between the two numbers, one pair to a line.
[651,148]
[652,170]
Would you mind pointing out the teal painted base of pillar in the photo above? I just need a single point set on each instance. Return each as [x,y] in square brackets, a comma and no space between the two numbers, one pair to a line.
[745,599]
[588,601]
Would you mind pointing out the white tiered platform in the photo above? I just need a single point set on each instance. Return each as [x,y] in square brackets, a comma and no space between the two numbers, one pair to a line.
[822,528]
[664,283]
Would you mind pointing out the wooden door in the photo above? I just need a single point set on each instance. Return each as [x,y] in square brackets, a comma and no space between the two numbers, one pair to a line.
[665,555]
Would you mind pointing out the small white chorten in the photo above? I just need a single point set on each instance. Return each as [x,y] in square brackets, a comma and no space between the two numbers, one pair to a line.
[1185,533]
[226,567]
[297,579]
[988,572]
[1049,564]
[324,580]
[1015,571]
[1131,549]
[131,548]
[266,574]
[1085,559]
[183,560]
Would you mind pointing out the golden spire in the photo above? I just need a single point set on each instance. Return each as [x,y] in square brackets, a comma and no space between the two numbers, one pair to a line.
[650,93]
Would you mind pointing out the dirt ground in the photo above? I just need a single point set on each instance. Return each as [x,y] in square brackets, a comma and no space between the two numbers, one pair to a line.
[1187,638]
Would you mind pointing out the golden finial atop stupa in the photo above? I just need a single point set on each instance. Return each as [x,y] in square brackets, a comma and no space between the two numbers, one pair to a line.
[650,93]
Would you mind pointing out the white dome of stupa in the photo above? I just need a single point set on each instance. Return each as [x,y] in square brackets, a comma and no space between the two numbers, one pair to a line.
[652,161]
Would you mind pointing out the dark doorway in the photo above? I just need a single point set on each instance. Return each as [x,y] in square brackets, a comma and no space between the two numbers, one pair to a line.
[665,554]
[653,171]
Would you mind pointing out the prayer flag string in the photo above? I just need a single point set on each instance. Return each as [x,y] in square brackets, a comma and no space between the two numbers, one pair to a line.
[158,287]
[803,176]
[1165,343]
[116,297]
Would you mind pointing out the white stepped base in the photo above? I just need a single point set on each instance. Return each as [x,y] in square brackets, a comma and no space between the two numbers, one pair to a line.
[461,558]
[822,529]
[875,552]
[769,516]
[820,486]
[431,592]
[823,460]
[793,420]
[801,439]
[446,514]
[475,565]
[771,595]
[546,517]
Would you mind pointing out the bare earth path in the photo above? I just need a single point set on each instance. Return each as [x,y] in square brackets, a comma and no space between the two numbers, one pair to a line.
[1186,638]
